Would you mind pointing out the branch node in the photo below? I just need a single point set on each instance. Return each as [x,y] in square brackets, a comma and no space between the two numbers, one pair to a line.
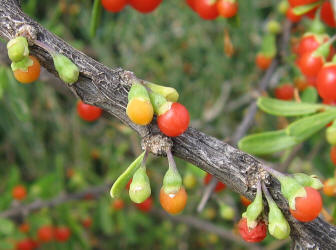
[157,144]
[29,32]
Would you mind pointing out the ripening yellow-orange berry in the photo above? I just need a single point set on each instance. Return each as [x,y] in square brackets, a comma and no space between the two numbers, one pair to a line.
[140,111]
[173,203]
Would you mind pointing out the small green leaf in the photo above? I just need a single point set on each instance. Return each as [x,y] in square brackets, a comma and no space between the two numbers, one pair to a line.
[303,9]
[305,127]
[266,143]
[287,108]
[122,180]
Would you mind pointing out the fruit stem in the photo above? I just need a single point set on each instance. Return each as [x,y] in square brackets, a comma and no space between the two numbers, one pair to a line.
[46,47]
[144,159]
[267,194]
[273,172]
[171,161]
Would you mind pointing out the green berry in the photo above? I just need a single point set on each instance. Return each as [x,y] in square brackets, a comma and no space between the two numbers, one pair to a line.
[140,188]
[66,69]
[18,49]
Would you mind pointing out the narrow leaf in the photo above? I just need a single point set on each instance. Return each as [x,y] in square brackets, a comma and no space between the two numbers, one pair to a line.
[303,9]
[305,127]
[95,17]
[122,180]
[266,143]
[287,108]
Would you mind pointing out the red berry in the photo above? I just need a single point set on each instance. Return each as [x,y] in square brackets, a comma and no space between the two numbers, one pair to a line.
[87,222]
[245,201]
[173,203]
[294,3]
[19,192]
[220,185]
[118,204]
[327,14]
[308,43]
[309,207]
[26,244]
[284,92]
[326,82]
[191,4]
[227,8]
[62,234]
[256,234]
[292,17]
[174,121]
[310,64]
[145,206]
[206,9]
[333,154]
[24,228]
[263,61]
[45,234]
[114,5]
[145,6]
[88,112]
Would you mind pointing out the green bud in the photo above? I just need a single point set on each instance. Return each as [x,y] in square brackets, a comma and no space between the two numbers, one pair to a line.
[273,27]
[17,49]
[66,69]
[291,189]
[254,210]
[331,135]
[226,212]
[283,6]
[172,181]
[140,188]
[22,65]
[277,224]
[308,181]
[157,101]
[167,92]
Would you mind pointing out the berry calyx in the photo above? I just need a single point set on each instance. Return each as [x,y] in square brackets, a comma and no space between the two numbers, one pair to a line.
[254,209]
[140,188]
[146,205]
[145,6]
[66,69]
[62,233]
[114,5]
[17,49]
[173,203]
[257,234]
[19,192]
[284,92]
[263,61]
[26,70]
[206,9]
[45,234]
[220,185]
[307,208]
[88,112]
[227,8]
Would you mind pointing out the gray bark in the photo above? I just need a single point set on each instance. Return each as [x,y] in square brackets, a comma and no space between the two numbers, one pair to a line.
[107,88]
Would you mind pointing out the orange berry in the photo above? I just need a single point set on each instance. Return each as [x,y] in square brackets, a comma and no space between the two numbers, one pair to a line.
[118,204]
[173,203]
[19,192]
[140,111]
[31,75]
[24,228]
[245,201]
[329,187]
[263,61]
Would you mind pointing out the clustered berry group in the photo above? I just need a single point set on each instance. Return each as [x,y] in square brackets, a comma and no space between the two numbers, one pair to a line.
[143,6]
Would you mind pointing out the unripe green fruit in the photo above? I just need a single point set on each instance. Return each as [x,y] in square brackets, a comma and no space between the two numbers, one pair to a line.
[17,49]
[273,27]
[331,135]
[226,212]
[140,188]
[277,224]
[66,69]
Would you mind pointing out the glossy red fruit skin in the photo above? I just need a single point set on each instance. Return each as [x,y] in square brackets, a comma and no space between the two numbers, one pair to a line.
[206,9]
[145,6]
[45,234]
[284,92]
[326,82]
[174,121]
[327,15]
[88,112]
[87,222]
[118,204]
[294,3]
[191,4]
[262,61]
[308,43]
[227,8]
[292,17]
[19,192]
[309,207]
[26,244]
[220,185]
[256,234]
[114,5]
[145,206]
[333,155]
[62,234]
[310,64]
